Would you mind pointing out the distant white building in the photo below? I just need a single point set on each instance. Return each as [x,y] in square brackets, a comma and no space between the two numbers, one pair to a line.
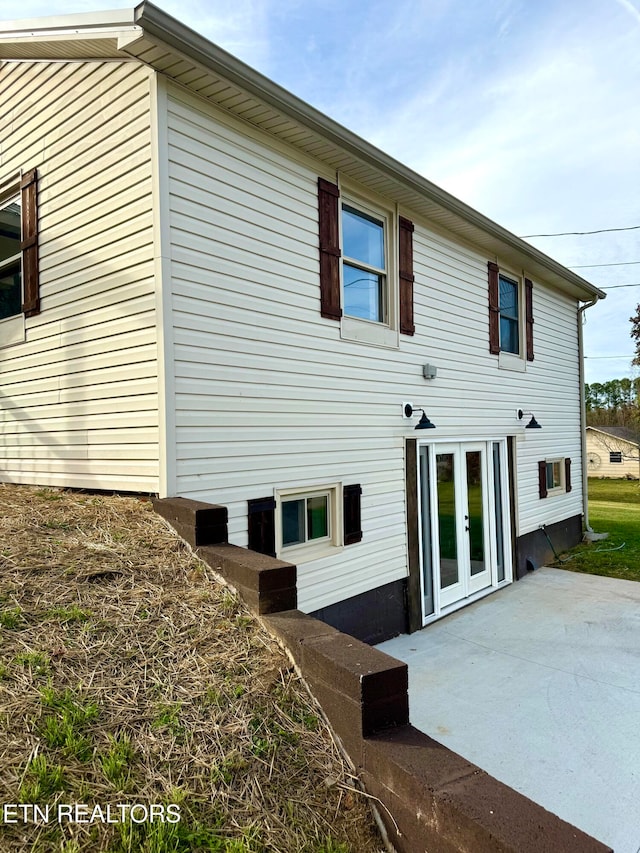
[210,289]
[612,452]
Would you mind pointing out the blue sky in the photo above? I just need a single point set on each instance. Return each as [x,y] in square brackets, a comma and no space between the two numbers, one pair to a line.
[528,111]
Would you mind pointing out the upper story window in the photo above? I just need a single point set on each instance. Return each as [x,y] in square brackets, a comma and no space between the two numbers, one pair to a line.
[510,317]
[366,266]
[10,257]
[19,276]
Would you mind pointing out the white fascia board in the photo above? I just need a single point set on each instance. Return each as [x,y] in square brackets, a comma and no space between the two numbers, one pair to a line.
[92,22]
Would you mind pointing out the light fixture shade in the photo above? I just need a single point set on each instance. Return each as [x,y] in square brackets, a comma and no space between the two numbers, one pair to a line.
[533,424]
[424,422]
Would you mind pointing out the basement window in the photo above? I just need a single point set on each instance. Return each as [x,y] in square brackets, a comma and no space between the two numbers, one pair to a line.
[308,525]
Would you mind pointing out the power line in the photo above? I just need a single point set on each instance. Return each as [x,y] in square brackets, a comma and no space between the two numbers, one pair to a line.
[608,356]
[620,264]
[613,286]
[582,233]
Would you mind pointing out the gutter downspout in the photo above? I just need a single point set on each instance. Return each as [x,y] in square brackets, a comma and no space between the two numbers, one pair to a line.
[583,414]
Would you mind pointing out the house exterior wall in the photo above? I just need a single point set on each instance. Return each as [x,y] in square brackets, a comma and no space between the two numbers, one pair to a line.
[78,391]
[269,396]
[599,446]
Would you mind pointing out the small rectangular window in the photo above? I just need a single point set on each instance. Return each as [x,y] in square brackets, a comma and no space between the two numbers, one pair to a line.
[509,307]
[308,523]
[364,265]
[555,472]
[10,257]
[305,519]
[615,456]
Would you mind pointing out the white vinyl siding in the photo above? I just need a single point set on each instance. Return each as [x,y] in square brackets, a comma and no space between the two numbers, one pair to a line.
[262,398]
[268,396]
[79,395]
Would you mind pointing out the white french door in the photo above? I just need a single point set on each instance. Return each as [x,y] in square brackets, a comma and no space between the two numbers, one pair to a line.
[463,507]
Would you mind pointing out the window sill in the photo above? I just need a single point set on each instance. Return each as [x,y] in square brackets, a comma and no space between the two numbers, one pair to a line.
[559,490]
[307,553]
[12,331]
[365,332]
[508,361]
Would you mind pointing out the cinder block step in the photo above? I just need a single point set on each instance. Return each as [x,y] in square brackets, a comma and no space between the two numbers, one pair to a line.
[196,522]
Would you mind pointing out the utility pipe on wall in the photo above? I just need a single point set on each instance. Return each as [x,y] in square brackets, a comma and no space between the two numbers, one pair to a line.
[583,413]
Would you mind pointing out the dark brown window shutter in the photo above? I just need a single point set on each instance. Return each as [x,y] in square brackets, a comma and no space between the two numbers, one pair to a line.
[567,475]
[407,326]
[494,309]
[29,244]
[352,514]
[328,195]
[262,525]
[542,479]
[528,296]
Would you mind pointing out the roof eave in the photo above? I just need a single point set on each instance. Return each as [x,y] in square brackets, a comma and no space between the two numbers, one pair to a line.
[158,24]
[148,20]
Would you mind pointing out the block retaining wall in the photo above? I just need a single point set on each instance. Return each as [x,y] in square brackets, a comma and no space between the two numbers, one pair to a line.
[439,802]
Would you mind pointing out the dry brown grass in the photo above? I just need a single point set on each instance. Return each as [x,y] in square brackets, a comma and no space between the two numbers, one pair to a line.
[128,675]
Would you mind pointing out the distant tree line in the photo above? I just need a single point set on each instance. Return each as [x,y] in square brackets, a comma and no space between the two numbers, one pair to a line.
[614,403]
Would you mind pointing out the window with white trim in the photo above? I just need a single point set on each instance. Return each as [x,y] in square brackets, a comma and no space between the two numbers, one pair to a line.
[10,256]
[615,456]
[308,523]
[366,265]
[510,317]
[365,291]
[555,475]
[509,306]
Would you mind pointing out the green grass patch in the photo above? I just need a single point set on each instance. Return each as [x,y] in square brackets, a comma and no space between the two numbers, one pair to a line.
[41,780]
[38,663]
[168,717]
[73,613]
[11,617]
[64,723]
[116,761]
[614,508]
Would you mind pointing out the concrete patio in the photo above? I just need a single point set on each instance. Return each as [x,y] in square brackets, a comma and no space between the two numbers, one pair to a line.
[539,684]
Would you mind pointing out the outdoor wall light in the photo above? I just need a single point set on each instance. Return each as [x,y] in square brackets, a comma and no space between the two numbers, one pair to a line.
[424,422]
[533,423]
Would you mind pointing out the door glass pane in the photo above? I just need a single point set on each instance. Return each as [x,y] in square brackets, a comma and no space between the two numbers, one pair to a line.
[317,517]
[447,520]
[292,522]
[497,489]
[475,521]
[427,545]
